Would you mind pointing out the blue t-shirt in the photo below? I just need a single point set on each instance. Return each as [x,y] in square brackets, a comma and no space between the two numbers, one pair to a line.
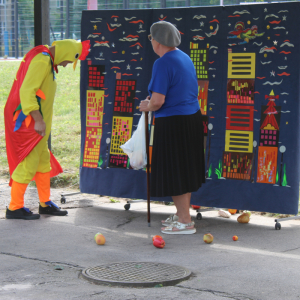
[174,76]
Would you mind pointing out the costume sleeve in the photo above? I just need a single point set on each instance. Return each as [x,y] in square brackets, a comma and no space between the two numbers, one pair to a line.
[160,81]
[36,73]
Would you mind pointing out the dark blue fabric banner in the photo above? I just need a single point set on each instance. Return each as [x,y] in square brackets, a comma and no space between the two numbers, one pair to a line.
[247,63]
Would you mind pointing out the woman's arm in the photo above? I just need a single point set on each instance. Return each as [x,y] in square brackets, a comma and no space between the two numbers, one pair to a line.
[153,104]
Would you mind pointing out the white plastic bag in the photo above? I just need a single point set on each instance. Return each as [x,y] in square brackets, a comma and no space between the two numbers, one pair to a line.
[135,147]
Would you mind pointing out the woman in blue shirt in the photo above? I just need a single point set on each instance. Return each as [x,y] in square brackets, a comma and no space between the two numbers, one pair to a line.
[178,164]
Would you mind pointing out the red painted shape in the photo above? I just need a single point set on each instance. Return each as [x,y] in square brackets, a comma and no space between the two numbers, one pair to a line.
[136,44]
[110,29]
[138,21]
[284,74]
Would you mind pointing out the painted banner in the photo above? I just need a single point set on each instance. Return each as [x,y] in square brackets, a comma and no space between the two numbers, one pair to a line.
[247,64]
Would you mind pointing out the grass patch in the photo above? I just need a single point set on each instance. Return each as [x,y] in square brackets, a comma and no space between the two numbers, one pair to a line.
[66,129]
[112,200]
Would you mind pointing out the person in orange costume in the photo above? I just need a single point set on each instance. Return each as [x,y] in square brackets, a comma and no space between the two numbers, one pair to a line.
[28,119]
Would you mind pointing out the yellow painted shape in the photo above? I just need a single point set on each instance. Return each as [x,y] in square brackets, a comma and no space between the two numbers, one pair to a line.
[239,141]
[118,135]
[94,108]
[243,59]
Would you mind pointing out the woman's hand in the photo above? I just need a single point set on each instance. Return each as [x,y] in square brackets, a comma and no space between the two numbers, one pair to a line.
[144,105]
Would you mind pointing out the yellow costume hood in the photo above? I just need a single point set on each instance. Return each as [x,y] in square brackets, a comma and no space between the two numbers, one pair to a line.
[70,50]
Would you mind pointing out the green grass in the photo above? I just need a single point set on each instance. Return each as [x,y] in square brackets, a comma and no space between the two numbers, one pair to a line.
[65,134]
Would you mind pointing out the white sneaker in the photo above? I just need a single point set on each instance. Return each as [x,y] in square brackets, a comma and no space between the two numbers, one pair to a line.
[179,228]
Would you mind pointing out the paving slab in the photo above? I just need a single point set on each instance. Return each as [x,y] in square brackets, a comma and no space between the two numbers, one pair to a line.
[43,259]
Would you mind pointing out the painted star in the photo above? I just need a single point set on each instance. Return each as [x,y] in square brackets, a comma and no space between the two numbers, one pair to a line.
[95,27]
[268,37]
[268,26]
[113,45]
[285,58]
[265,10]
[161,16]
[140,26]
[128,67]
[201,24]
[284,101]
[138,74]
[101,54]
[245,49]
[272,73]
[137,47]
[141,58]
[248,22]
[229,24]
[275,43]
[210,108]
[214,16]
[287,32]
[283,18]
[115,19]
[213,75]
[215,51]
[103,38]
[123,32]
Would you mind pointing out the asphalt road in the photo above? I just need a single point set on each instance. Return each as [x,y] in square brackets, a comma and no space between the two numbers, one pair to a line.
[263,264]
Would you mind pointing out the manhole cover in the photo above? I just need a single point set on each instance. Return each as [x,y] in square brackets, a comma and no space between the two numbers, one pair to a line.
[137,274]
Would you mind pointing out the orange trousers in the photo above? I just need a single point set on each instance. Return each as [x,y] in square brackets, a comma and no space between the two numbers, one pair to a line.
[18,190]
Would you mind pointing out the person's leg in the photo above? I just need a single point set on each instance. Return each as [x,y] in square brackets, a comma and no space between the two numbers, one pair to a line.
[42,180]
[42,176]
[21,177]
[182,203]
[16,209]
[17,195]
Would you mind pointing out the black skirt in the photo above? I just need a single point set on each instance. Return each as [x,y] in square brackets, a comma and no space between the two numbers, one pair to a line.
[178,162]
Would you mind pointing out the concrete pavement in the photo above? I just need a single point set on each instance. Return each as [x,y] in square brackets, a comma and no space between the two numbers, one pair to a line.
[263,264]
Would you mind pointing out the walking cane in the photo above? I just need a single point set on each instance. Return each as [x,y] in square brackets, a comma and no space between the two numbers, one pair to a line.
[147,167]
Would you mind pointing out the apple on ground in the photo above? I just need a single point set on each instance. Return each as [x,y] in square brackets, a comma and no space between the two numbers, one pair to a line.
[99,238]
[159,243]
[208,238]
[235,238]
[157,237]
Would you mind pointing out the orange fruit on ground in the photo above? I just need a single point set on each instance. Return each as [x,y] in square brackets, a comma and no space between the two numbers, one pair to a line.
[235,238]
[232,211]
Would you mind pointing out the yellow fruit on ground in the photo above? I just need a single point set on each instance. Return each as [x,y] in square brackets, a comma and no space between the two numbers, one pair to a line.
[243,218]
[208,238]
[99,238]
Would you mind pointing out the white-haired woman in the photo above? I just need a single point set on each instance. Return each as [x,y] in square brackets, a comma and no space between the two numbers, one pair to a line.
[178,164]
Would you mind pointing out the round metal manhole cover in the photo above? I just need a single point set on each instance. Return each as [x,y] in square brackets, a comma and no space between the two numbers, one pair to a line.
[139,274]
